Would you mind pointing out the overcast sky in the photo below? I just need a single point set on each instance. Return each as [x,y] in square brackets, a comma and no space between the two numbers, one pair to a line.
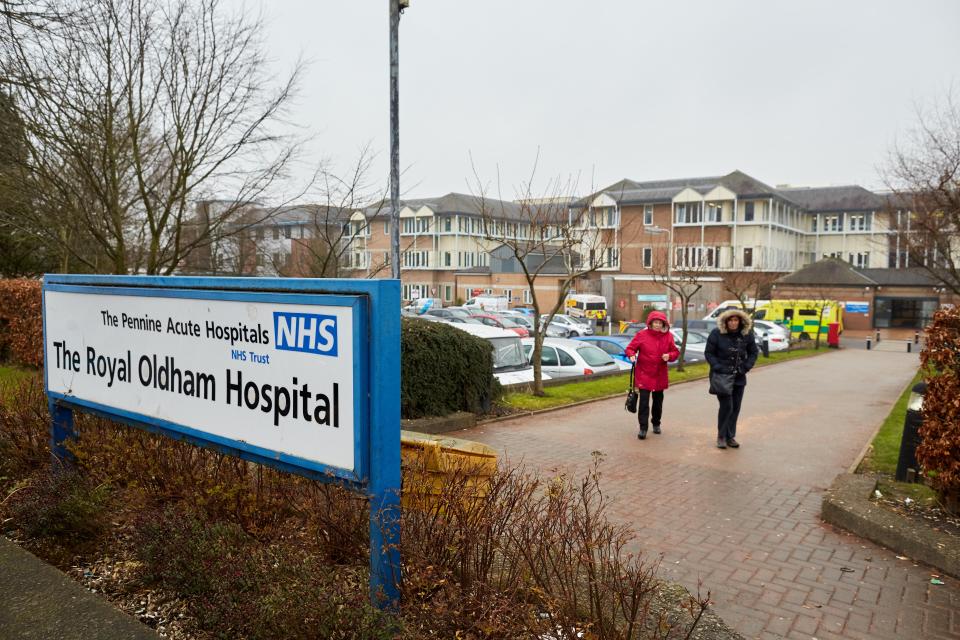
[808,92]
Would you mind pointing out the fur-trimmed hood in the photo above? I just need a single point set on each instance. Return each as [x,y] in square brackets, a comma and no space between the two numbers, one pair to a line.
[746,324]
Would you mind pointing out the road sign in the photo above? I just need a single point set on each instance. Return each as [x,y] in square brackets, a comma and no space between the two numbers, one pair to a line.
[277,371]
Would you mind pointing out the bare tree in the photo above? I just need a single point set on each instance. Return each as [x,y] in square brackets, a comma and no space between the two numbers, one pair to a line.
[548,239]
[340,221]
[681,270]
[923,174]
[749,286]
[136,112]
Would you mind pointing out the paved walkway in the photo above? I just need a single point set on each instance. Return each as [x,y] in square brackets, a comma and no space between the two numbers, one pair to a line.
[38,602]
[746,521]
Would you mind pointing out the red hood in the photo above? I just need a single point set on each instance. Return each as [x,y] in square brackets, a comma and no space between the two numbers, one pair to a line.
[657,315]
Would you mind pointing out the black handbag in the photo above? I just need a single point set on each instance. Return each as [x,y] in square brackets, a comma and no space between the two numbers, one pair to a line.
[632,395]
[721,384]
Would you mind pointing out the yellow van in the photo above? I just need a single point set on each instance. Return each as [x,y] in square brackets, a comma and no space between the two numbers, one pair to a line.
[802,316]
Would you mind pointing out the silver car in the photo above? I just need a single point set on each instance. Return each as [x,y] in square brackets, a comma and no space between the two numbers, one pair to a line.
[564,358]
[574,328]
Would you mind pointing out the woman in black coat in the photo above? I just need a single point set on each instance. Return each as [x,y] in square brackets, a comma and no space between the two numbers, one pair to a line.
[731,351]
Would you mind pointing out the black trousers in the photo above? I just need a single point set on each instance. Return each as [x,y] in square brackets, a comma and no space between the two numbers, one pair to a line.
[643,407]
[729,412]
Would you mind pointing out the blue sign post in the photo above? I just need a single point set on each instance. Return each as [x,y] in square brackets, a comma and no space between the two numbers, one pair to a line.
[299,375]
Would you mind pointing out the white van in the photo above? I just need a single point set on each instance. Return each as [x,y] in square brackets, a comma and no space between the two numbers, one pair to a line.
[584,305]
[510,364]
[487,303]
[752,305]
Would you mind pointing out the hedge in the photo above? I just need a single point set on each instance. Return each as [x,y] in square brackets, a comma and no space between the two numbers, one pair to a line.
[21,322]
[939,450]
[444,370]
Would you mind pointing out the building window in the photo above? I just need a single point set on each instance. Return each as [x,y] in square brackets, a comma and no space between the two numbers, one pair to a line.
[508,294]
[260,233]
[748,213]
[748,257]
[647,257]
[386,227]
[288,232]
[527,298]
[446,259]
[815,218]
[448,224]
[276,233]
[648,214]
[714,212]
[447,292]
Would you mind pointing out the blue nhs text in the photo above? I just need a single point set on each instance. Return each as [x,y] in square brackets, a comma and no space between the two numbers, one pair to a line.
[309,332]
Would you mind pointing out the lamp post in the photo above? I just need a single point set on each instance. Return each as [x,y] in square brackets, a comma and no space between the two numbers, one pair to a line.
[396,8]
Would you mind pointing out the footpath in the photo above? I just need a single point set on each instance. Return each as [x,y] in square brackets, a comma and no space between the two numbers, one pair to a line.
[38,602]
[745,523]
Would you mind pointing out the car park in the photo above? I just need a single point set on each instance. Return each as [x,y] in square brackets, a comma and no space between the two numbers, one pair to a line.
[510,363]
[615,346]
[691,356]
[459,320]
[561,358]
[449,312]
[778,338]
[573,327]
[501,322]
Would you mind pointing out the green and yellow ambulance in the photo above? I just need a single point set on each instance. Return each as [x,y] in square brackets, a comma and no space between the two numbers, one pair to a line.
[803,317]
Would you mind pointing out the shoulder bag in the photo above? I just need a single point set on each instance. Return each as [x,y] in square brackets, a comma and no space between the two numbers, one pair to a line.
[632,396]
[721,384]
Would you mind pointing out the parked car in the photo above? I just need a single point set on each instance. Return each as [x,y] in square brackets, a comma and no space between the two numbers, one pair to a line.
[574,328]
[614,346]
[561,358]
[501,322]
[459,320]
[778,337]
[510,363]
[487,303]
[555,330]
[632,328]
[521,320]
[449,312]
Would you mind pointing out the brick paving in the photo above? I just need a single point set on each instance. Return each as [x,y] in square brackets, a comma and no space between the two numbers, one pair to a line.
[746,522]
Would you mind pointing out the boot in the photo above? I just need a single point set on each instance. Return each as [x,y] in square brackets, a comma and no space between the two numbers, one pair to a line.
[721,443]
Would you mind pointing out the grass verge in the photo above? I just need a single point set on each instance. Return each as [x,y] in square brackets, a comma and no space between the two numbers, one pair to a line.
[11,375]
[573,392]
[885,448]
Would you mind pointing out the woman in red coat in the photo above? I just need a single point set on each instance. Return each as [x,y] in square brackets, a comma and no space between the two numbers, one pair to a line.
[652,349]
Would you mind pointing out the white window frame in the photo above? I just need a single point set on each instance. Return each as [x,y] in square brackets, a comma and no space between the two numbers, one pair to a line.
[647,215]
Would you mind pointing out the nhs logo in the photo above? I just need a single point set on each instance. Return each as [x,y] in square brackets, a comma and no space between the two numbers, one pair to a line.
[310,332]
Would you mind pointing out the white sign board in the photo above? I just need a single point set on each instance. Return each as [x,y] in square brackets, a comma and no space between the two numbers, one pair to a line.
[267,374]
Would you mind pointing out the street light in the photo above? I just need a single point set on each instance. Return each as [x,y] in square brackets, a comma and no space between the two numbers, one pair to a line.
[396,8]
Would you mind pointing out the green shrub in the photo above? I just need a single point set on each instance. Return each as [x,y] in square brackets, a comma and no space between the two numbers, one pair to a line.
[444,370]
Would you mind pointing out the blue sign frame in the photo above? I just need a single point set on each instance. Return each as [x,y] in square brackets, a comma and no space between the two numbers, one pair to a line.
[374,306]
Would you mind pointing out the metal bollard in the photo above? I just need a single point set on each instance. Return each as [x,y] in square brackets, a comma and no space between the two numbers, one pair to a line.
[909,347]
[878,336]
[916,337]
[868,343]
